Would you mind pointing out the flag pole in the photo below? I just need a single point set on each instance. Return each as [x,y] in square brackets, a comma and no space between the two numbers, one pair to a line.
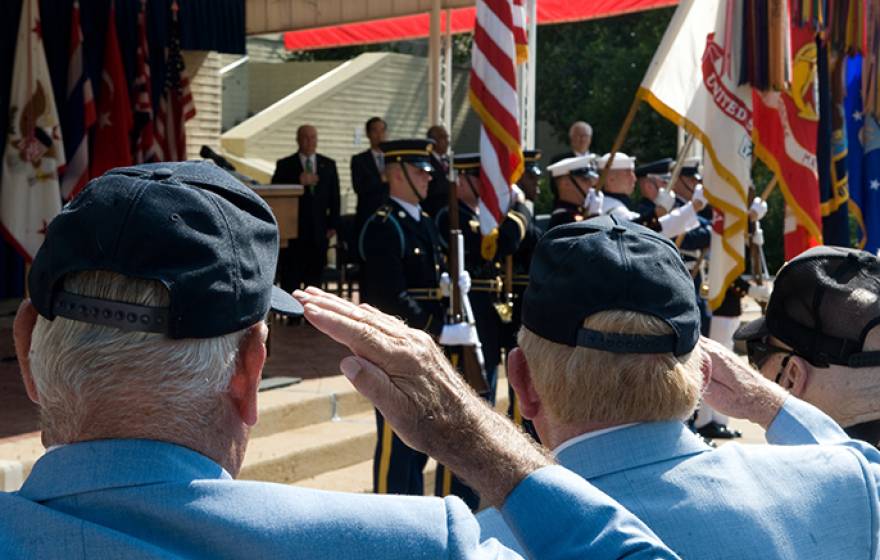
[618,142]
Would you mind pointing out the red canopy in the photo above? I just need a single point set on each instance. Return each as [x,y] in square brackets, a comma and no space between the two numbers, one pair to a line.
[418,26]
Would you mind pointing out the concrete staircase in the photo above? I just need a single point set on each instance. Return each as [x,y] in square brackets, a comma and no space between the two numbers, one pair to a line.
[320,433]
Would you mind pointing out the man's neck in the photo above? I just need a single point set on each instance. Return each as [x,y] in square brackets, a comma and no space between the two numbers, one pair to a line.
[411,208]
[553,435]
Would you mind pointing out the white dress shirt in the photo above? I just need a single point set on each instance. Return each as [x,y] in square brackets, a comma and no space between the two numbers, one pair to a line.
[414,210]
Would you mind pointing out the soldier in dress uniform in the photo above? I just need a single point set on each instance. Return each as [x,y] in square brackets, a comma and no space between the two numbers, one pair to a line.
[574,178]
[522,261]
[484,260]
[693,243]
[403,261]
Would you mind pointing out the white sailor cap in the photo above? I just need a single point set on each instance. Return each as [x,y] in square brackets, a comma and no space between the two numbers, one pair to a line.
[621,162]
[580,165]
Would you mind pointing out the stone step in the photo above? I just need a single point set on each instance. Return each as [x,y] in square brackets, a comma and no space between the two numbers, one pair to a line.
[358,476]
[306,452]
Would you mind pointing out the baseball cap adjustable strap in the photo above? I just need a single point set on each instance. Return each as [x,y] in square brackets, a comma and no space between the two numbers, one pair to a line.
[123,316]
[626,343]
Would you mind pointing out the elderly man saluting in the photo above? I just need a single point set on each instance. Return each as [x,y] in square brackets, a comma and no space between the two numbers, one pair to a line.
[144,345]
[611,362]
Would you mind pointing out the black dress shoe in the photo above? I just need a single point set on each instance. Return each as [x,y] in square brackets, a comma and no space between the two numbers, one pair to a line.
[714,430]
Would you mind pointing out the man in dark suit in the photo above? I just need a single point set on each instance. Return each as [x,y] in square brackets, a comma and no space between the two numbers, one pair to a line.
[368,174]
[438,188]
[303,261]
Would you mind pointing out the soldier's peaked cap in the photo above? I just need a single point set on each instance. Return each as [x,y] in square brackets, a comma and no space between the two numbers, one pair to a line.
[415,151]
[467,163]
[580,165]
[530,159]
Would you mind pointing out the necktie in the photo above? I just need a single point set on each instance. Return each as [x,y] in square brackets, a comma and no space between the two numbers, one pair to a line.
[380,162]
[309,169]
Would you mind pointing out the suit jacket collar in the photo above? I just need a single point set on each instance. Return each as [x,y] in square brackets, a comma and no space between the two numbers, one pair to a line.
[90,466]
[631,447]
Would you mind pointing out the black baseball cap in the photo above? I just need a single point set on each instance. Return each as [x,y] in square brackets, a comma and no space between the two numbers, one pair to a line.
[212,241]
[603,264]
[824,303]
[415,151]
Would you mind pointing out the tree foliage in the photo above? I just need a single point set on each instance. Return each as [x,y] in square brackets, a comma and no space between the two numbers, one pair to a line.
[591,71]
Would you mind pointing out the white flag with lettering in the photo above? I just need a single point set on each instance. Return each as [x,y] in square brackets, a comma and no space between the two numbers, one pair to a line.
[691,81]
[30,194]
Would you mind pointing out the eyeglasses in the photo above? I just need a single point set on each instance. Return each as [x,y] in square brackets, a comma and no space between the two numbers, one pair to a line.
[759,351]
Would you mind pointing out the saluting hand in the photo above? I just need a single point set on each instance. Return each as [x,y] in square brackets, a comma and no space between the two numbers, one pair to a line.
[408,378]
[734,387]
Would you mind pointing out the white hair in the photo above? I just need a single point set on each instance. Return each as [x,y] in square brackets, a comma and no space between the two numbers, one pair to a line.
[95,379]
[583,124]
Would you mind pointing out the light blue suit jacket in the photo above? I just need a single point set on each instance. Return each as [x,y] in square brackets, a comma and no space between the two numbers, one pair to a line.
[147,499]
[740,501]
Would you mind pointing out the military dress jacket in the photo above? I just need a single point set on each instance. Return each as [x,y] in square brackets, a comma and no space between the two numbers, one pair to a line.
[486,274]
[566,213]
[402,266]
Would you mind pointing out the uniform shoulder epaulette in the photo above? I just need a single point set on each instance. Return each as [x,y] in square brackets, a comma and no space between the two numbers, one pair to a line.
[384,211]
[383,214]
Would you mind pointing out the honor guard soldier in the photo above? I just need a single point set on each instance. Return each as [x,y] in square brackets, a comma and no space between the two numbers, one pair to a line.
[574,178]
[484,260]
[693,244]
[402,260]
[522,260]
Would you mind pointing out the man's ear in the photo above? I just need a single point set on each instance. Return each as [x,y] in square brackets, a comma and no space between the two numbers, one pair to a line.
[795,376]
[245,380]
[22,333]
[520,378]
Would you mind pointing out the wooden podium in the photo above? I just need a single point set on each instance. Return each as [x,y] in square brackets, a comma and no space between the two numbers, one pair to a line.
[284,201]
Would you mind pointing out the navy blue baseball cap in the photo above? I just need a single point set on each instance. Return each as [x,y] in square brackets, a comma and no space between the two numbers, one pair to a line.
[212,241]
[604,264]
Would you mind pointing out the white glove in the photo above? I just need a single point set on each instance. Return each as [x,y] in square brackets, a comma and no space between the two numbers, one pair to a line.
[594,202]
[758,236]
[459,334]
[665,199]
[464,281]
[761,293]
[445,284]
[517,194]
[699,198]
[758,209]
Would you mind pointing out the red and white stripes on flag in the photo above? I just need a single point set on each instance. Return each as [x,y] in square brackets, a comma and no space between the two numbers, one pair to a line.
[520,36]
[79,114]
[493,97]
[176,106]
[145,147]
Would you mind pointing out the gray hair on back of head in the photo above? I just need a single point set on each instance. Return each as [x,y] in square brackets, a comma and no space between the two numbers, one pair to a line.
[98,381]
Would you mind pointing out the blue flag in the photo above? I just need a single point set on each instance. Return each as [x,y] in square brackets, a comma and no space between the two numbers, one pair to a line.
[863,160]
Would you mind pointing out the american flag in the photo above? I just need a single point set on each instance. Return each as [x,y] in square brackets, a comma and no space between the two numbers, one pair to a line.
[493,97]
[176,106]
[519,31]
[145,147]
[79,114]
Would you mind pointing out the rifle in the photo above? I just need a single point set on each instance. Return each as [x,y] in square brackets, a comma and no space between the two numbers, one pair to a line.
[471,365]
